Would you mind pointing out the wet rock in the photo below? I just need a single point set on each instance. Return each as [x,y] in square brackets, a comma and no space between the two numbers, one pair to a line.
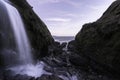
[1,40]
[79,61]
[22,77]
[1,61]
[1,74]
[32,78]
[56,43]
[49,77]
[8,75]
[71,46]
[55,49]
[63,45]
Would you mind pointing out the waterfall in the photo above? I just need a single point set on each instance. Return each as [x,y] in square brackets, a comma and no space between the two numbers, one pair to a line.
[21,39]
[11,19]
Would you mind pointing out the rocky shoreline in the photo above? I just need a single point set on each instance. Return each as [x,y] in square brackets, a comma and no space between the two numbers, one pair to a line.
[93,55]
[63,65]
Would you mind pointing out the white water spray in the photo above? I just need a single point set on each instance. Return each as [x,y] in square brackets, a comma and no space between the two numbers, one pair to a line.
[22,43]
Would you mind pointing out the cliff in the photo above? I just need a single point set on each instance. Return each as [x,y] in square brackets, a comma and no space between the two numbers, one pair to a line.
[100,41]
[39,35]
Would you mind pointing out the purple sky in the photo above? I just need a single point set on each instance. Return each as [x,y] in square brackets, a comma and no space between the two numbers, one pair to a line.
[66,17]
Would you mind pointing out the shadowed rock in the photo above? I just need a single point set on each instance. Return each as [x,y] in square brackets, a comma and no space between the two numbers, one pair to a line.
[100,40]
[37,31]
[49,77]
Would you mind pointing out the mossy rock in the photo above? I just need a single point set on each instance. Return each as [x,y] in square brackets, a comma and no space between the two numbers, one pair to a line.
[38,33]
[100,40]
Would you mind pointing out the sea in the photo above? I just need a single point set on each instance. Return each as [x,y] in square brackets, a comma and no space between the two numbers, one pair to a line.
[62,39]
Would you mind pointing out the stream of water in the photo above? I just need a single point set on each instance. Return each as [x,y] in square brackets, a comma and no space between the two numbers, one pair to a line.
[25,60]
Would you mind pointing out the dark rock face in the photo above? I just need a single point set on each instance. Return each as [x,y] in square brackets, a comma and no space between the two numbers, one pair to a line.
[49,77]
[56,48]
[71,46]
[100,40]
[37,31]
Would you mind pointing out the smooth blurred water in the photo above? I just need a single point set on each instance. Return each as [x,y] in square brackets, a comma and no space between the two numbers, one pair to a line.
[25,64]
[20,34]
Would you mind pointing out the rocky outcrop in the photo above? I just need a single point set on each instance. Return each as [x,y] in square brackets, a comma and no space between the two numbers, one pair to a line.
[100,41]
[37,31]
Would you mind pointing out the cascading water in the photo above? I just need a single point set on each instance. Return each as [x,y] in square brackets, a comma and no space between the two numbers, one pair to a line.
[20,35]
[10,19]
[25,60]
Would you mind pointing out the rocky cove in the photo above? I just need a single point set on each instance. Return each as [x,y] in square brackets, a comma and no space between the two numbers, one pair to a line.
[92,55]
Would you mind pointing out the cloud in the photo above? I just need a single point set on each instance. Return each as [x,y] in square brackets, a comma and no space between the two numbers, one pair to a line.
[98,10]
[66,17]
[43,1]
[63,28]
[73,3]
[58,19]
[70,2]
[47,1]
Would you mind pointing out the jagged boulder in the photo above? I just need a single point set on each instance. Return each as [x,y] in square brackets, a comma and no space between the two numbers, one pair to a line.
[100,40]
[37,31]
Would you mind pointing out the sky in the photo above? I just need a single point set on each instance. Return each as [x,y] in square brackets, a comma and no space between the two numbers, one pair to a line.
[66,17]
